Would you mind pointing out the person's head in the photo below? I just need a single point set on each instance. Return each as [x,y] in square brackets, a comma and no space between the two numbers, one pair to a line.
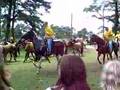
[110,79]
[106,29]
[46,24]
[72,73]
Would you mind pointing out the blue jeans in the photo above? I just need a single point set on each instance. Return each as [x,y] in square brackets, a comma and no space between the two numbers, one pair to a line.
[49,45]
[110,45]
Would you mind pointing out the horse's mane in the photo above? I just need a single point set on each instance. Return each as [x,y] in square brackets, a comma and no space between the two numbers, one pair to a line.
[29,35]
[99,40]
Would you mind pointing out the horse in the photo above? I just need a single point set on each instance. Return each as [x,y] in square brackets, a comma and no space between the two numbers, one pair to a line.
[9,49]
[75,46]
[103,48]
[57,50]
[29,49]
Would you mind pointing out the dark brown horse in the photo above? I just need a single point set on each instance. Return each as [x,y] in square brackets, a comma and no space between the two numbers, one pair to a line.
[103,48]
[76,46]
[57,50]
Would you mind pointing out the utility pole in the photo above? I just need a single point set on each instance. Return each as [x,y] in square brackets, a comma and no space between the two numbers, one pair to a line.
[116,24]
[71,19]
[103,19]
[72,22]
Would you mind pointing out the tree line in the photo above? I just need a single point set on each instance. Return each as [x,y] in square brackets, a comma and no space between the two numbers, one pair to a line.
[112,7]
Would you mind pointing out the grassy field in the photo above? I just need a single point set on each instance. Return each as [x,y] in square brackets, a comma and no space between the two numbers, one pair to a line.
[24,75]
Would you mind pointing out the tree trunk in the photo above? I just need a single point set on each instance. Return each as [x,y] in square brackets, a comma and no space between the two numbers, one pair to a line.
[116,17]
[13,21]
[7,36]
[0,24]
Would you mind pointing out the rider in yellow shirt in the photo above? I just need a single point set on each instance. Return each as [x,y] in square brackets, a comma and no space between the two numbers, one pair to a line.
[49,35]
[108,36]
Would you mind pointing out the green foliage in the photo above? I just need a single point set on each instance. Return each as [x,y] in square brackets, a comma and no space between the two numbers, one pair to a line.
[62,32]
[84,33]
[13,11]
[111,6]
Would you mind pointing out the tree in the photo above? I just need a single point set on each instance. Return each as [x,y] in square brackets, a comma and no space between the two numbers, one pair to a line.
[111,6]
[83,33]
[62,32]
[22,11]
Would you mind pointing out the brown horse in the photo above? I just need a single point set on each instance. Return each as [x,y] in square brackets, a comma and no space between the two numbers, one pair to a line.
[57,50]
[9,49]
[29,49]
[76,46]
[103,48]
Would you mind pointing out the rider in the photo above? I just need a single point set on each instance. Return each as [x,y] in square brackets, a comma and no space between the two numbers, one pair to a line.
[49,35]
[108,36]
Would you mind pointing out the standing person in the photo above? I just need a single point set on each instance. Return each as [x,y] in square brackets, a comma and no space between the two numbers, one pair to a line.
[110,79]
[71,74]
[49,35]
[108,36]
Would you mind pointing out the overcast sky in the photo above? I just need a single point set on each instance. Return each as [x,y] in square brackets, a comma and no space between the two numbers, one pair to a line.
[60,14]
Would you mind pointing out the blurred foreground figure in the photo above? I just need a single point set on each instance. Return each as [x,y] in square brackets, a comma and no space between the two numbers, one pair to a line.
[5,76]
[72,74]
[111,76]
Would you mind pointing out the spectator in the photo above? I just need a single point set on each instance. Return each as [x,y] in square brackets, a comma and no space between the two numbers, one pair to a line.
[72,74]
[110,79]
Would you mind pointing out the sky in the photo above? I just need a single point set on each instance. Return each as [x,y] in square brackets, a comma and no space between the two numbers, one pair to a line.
[60,14]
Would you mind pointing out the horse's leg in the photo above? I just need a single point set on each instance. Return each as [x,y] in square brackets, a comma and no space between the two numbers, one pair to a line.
[14,55]
[66,50]
[81,51]
[37,65]
[74,51]
[116,53]
[103,58]
[107,56]
[33,55]
[47,59]
[58,57]
[5,56]
[18,50]
[98,58]
[110,54]
[26,56]
[58,61]
[10,56]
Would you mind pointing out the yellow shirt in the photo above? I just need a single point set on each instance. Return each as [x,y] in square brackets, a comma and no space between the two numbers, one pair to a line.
[49,33]
[117,35]
[108,35]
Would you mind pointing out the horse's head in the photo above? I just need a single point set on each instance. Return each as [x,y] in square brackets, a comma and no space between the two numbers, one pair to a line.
[27,36]
[96,39]
[93,38]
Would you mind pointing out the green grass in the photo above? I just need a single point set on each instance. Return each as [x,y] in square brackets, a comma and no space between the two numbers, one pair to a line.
[24,75]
